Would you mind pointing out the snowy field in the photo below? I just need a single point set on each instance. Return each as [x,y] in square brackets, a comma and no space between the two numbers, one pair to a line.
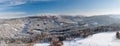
[100,39]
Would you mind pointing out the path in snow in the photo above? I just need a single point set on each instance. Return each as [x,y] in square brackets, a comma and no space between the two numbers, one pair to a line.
[100,39]
[26,26]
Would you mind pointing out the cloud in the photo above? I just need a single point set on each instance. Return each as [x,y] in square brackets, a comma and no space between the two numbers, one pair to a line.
[6,15]
[17,2]
[41,0]
[8,4]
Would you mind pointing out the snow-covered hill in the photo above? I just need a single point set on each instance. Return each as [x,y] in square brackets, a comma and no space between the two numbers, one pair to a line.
[100,39]
[43,28]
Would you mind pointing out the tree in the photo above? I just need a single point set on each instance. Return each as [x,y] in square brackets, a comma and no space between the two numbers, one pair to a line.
[118,35]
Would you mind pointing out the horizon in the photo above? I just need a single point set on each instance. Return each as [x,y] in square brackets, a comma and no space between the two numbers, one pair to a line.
[111,15]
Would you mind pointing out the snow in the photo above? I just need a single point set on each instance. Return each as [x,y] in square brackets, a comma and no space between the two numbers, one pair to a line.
[14,28]
[86,25]
[95,23]
[100,39]
[42,44]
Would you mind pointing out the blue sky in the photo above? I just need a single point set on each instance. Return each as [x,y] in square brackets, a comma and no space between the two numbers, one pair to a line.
[18,8]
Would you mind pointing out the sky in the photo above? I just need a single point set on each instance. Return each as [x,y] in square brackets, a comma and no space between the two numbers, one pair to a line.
[20,8]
